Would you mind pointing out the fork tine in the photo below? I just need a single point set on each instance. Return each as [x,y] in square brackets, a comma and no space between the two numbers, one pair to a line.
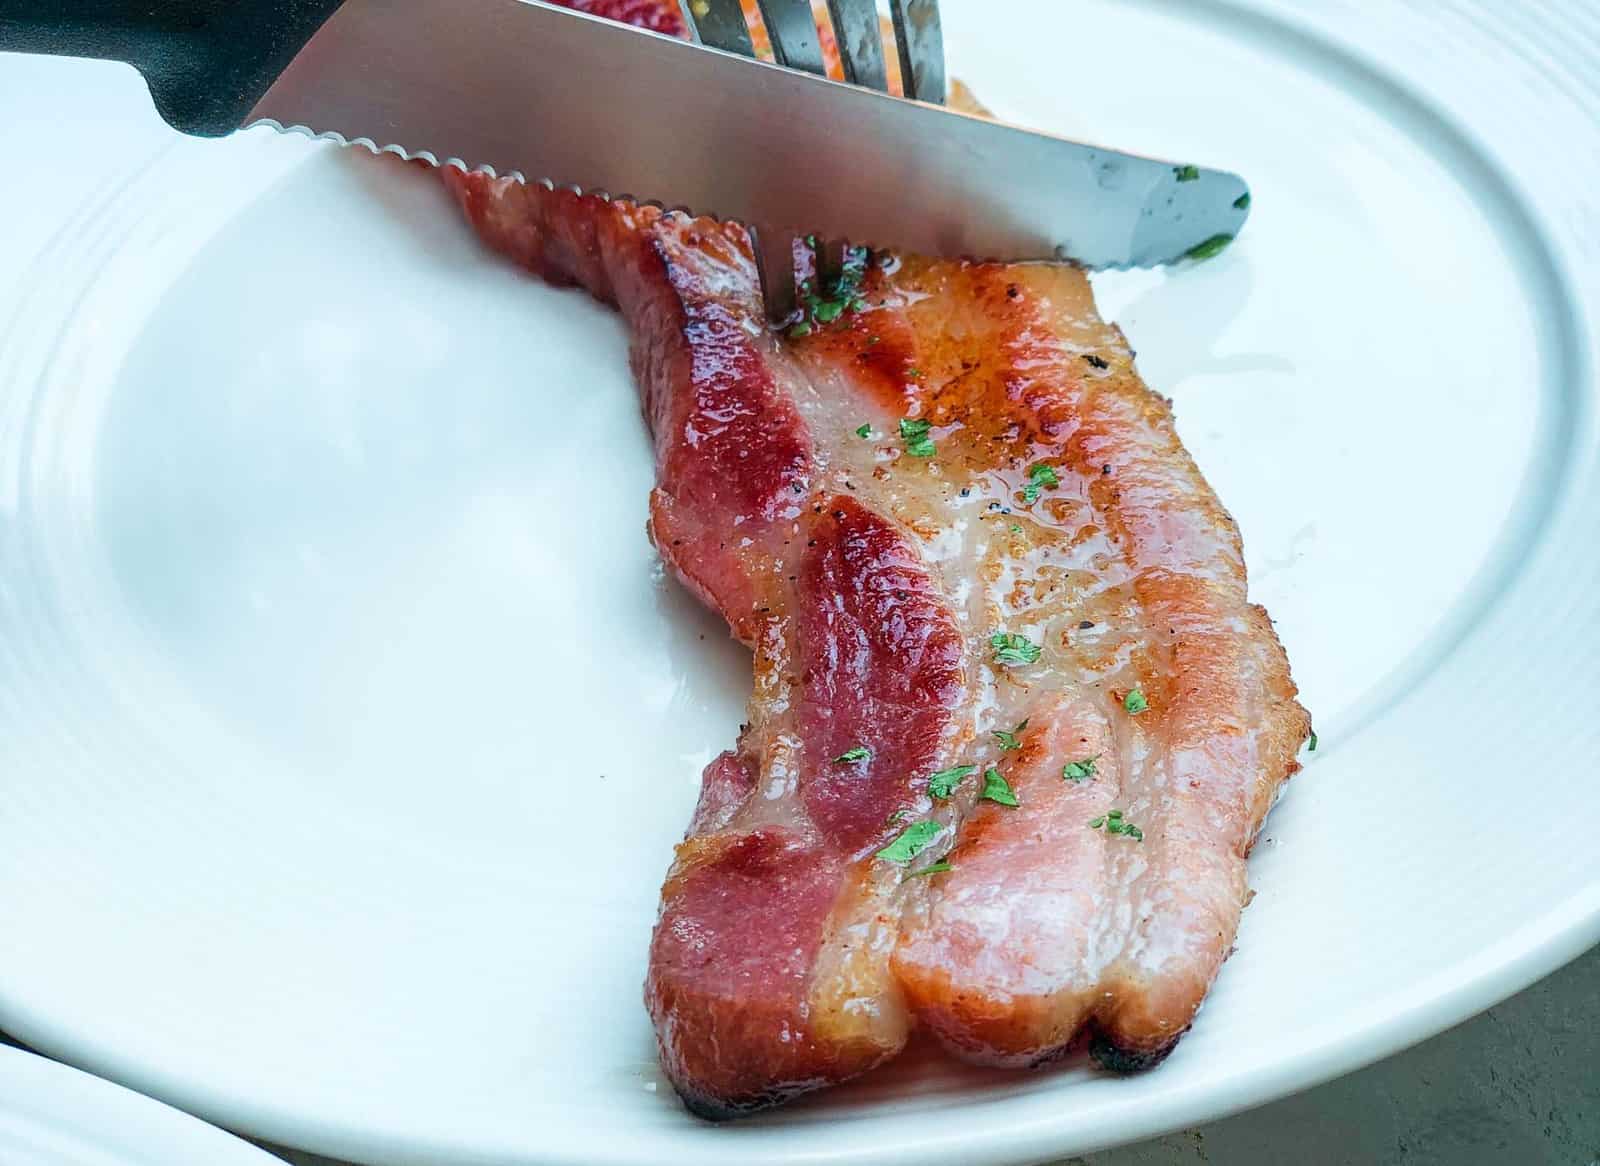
[830,265]
[793,31]
[775,263]
[860,39]
[719,24]
[921,44]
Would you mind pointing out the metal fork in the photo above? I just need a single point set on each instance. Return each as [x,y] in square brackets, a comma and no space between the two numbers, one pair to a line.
[792,27]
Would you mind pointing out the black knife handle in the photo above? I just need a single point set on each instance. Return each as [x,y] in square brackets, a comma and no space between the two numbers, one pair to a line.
[207,62]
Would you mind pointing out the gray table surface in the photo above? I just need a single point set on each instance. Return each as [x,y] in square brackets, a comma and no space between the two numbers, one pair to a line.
[1518,1085]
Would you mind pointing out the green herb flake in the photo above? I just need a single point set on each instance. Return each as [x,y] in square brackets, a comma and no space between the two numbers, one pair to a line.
[916,838]
[942,784]
[1011,740]
[914,432]
[1015,529]
[1135,702]
[997,789]
[1211,248]
[852,755]
[1187,173]
[1242,203]
[1114,823]
[863,430]
[1079,770]
[1311,743]
[1011,648]
[897,816]
[932,868]
[1040,477]
[844,295]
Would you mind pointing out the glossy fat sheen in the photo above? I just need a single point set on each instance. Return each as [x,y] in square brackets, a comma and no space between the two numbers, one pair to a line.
[868,582]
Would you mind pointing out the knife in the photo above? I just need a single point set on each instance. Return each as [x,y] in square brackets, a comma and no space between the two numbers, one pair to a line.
[517,86]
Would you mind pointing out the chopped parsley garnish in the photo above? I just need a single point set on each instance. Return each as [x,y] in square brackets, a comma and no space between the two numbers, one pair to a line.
[1011,740]
[852,755]
[845,295]
[1040,477]
[997,789]
[1079,770]
[932,868]
[863,430]
[827,311]
[1213,246]
[1115,824]
[914,432]
[1015,529]
[1135,702]
[942,784]
[1010,648]
[1242,202]
[1311,743]
[916,838]
[1186,173]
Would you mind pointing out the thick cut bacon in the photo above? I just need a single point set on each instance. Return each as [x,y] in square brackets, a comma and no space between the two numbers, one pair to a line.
[870,582]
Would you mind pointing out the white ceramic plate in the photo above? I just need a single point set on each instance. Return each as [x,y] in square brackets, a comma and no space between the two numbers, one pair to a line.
[51,1115]
[347,719]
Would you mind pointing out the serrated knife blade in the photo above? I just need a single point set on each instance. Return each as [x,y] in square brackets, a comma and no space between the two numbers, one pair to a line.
[556,95]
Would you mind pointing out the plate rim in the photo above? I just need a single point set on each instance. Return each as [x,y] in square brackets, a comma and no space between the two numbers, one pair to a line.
[52,1096]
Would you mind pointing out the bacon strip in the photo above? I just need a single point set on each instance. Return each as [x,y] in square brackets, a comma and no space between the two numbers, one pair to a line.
[869,583]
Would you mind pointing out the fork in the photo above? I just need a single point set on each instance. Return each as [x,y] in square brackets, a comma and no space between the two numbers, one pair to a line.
[793,29]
